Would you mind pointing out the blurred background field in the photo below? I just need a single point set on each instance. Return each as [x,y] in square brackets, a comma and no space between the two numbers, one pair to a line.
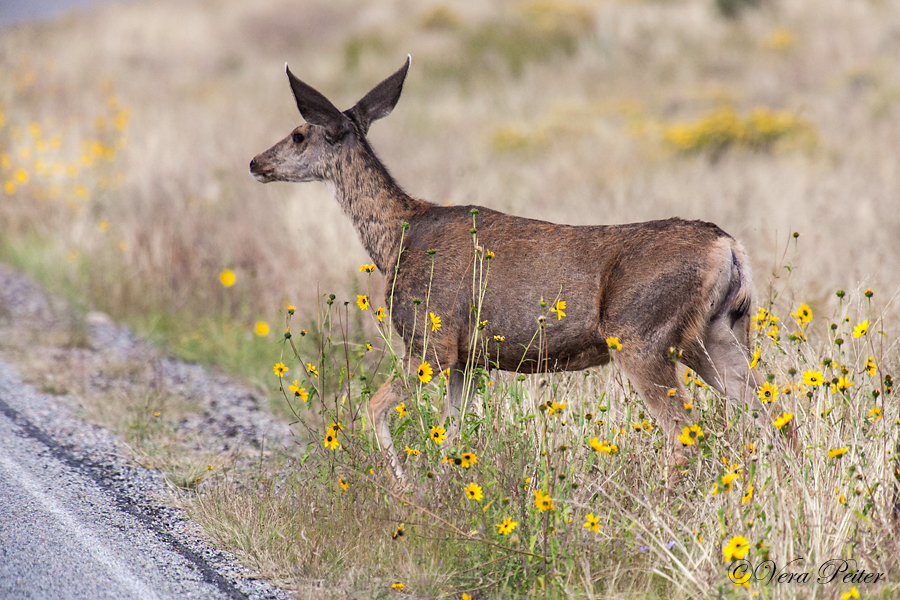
[126,130]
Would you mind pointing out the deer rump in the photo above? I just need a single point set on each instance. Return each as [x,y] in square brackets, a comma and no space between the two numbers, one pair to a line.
[655,285]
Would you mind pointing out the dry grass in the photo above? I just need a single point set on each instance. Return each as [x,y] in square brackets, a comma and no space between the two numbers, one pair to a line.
[553,109]
[332,515]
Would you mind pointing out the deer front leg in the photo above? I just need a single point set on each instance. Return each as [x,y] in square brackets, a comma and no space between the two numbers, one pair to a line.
[655,379]
[387,397]
[458,386]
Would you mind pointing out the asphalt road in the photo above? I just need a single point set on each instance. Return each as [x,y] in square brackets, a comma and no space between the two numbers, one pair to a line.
[16,11]
[73,527]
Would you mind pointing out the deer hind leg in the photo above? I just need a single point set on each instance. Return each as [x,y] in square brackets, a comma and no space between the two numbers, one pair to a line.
[654,377]
[387,397]
[723,361]
[459,385]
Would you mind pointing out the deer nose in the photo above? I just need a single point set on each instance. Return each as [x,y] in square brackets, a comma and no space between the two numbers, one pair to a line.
[252,164]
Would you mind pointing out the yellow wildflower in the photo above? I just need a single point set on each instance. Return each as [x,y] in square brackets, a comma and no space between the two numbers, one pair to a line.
[558,309]
[366,268]
[424,372]
[841,385]
[813,378]
[401,409]
[362,302]
[783,420]
[871,367]
[435,322]
[438,434]
[725,484]
[553,406]
[803,315]
[227,278]
[760,319]
[613,343]
[861,329]
[779,39]
[736,548]
[543,501]
[767,392]
[837,452]
[603,447]
[506,526]
[592,523]
[299,392]
[690,434]
[280,369]
[473,491]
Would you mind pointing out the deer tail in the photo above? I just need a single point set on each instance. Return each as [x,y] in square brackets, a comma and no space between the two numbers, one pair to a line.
[739,298]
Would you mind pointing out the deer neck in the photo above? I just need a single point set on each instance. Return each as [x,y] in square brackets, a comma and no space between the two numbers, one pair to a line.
[375,203]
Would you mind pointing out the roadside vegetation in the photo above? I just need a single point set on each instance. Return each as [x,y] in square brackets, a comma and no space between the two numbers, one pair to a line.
[124,141]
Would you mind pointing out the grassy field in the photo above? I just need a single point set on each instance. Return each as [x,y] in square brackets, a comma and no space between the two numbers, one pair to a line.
[125,134]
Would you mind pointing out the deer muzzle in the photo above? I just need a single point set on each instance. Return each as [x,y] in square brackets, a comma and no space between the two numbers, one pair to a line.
[261,170]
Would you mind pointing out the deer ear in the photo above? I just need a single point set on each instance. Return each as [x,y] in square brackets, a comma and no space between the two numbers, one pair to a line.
[379,103]
[317,109]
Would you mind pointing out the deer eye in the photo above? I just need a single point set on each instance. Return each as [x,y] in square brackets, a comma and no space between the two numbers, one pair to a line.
[298,138]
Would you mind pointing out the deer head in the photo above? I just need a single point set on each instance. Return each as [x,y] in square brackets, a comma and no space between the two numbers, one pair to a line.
[311,150]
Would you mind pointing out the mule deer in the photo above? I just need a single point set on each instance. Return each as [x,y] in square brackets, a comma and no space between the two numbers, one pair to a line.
[665,289]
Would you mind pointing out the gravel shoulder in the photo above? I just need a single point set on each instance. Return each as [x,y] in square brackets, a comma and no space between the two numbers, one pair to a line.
[79,515]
